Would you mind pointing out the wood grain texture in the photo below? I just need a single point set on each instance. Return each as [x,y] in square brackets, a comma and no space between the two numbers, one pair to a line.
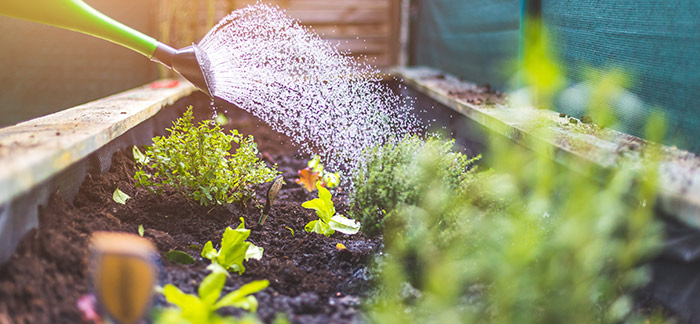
[377,22]
[583,146]
[35,150]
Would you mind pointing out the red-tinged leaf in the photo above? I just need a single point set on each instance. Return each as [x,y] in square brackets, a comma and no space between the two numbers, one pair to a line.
[165,84]
[308,179]
[87,304]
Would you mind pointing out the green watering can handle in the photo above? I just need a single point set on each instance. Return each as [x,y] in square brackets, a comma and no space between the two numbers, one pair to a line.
[78,16]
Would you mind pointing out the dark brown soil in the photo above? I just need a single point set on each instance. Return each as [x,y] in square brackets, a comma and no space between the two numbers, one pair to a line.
[310,280]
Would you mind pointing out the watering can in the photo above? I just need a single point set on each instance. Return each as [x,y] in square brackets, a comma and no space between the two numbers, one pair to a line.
[190,62]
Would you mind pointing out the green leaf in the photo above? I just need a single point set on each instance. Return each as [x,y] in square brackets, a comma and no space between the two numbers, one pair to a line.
[239,298]
[209,252]
[290,229]
[344,225]
[139,157]
[321,207]
[210,288]
[119,196]
[234,249]
[141,230]
[320,227]
[179,257]
[192,308]
[253,252]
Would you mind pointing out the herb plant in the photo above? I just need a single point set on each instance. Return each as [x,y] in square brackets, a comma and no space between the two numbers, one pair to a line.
[196,161]
[234,249]
[386,179]
[529,241]
[201,308]
[328,221]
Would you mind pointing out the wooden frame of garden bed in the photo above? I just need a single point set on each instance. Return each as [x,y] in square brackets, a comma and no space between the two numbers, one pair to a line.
[54,153]
[679,170]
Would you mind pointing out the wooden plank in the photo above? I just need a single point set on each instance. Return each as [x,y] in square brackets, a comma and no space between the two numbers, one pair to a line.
[33,151]
[679,171]
[318,4]
[335,4]
[363,31]
[340,16]
[360,46]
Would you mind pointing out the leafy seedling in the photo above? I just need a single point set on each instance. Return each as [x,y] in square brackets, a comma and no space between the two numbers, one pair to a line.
[120,197]
[234,249]
[201,308]
[315,172]
[179,257]
[328,222]
[271,195]
[141,230]
[291,230]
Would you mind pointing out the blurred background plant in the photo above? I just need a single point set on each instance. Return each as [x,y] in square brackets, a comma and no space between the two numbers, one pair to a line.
[386,179]
[529,240]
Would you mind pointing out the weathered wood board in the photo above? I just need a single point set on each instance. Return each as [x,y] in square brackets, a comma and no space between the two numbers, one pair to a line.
[371,27]
[679,171]
[32,151]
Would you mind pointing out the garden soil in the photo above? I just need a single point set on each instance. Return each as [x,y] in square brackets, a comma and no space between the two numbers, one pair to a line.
[311,281]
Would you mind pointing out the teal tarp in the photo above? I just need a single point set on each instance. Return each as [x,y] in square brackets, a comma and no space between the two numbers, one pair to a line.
[657,42]
[472,39]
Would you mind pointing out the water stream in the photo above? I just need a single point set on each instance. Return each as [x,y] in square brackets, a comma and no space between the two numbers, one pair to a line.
[301,85]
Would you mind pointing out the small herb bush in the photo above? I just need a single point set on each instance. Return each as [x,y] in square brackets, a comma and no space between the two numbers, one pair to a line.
[386,179]
[196,161]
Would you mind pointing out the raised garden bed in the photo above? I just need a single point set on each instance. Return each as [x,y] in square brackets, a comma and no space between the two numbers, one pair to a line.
[310,279]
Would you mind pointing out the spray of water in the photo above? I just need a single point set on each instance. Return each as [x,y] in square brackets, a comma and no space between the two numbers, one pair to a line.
[266,63]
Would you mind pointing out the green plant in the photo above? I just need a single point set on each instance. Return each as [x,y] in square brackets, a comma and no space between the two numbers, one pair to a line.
[386,178]
[529,241]
[315,172]
[550,246]
[201,308]
[195,160]
[328,221]
[234,249]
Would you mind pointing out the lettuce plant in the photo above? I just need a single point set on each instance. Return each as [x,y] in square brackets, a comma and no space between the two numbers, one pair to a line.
[234,250]
[328,222]
[195,160]
[201,308]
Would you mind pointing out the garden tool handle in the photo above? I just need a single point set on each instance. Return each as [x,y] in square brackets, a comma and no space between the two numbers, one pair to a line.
[78,16]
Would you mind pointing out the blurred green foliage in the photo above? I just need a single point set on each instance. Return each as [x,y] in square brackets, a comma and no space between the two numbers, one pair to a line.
[528,241]
[386,178]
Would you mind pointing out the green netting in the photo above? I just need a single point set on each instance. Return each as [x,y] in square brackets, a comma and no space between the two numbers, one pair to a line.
[472,39]
[657,42]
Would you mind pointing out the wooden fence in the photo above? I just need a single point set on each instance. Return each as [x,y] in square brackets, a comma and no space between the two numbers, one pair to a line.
[367,29]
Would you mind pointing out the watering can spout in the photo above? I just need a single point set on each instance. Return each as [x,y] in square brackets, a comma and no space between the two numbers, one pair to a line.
[190,62]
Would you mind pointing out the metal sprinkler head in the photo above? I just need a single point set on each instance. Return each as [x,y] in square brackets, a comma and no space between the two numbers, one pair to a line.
[190,62]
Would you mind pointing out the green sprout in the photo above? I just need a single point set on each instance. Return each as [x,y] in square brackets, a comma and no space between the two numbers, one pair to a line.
[234,250]
[328,221]
[201,308]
